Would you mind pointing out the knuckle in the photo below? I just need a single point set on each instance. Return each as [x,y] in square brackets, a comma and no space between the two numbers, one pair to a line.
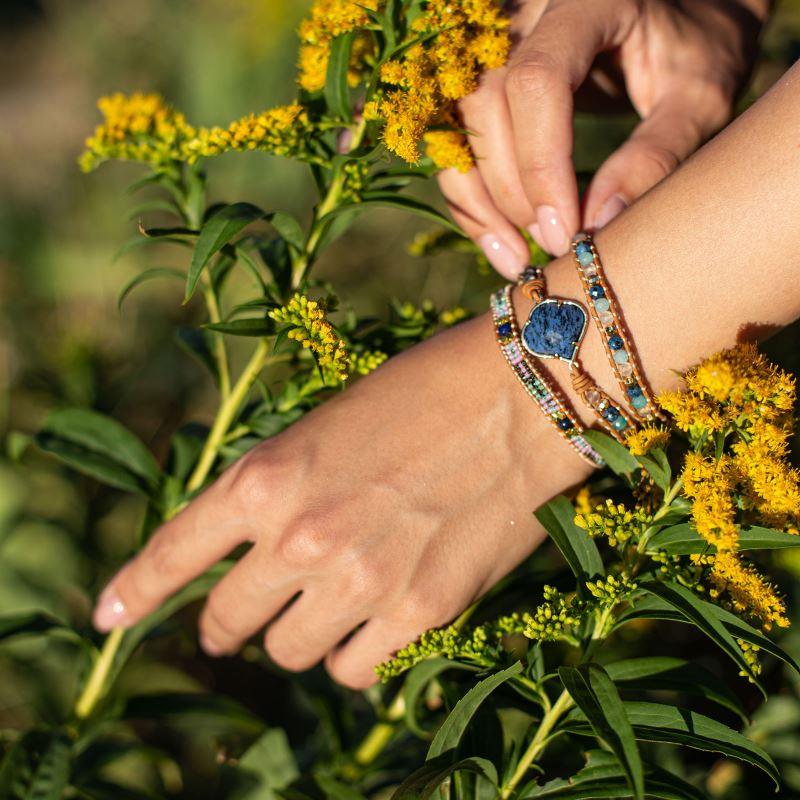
[425,607]
[285,652]
[660,160]
[533,75]
[308,542]
[217,620]
[361,579]
[163,556]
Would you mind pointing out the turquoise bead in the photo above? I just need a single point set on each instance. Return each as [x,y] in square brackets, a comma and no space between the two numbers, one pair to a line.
[639,402]
[619,424]
[602,304]
[621,357]
[585,258]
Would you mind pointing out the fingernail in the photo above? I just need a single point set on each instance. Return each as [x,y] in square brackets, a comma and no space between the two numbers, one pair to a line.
[210,647]
[536,233]
[502,257]
[613,207]
[553,230]
[110,611]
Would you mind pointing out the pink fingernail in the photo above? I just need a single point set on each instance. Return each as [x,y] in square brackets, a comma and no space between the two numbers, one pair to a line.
[613,207]
[536,233]
[210,647]
[110,611]
[553,230]
[501,256]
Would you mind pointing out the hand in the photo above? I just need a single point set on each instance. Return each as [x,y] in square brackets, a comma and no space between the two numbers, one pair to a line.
[386,511]
[681,65]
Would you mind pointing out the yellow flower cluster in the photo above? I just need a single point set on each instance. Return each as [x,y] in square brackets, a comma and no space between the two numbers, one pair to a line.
[710,485]
[310,327]
[138,127]
[611,590]
[460,39]
[554,618]
[750,653]
[614,521]
[747,590]
[326,20]
[366,362]
[142,127]
[641,442]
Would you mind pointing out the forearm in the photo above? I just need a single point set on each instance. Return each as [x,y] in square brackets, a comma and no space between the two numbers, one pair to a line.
[709,256]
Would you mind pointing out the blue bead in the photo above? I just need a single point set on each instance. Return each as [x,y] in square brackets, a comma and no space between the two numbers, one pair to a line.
[639,402]
[596,292]
[621,356]
[611,413]
[504,329]
[565,424]
[585,259]
[616,343]
[583,248]
[619,424]
[635,390]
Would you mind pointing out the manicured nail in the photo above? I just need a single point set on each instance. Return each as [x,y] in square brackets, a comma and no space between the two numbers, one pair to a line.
[110,611]
[613,207]
[536,233]
[553,230]
[502,257]
[210,647]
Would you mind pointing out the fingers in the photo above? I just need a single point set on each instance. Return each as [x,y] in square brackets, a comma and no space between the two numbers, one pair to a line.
[473,209]
[244,601]
[542,78]
[207,530]
[676,127]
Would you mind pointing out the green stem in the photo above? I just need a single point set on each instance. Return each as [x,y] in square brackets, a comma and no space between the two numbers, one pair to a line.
[227,413]
[538,743]
[220,351]
[669,498]
[95,686]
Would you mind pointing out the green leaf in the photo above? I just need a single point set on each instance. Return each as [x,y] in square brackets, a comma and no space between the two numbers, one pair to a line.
[660,673]
[693,609]
[337,88]
[603,777]
[449,735]
[334,790]
[266,767]
[595,694]
[150,206]
[197,344]
[216,232]
[390,200]
[424,782]
[415,684]
[183,705]
[657,467]
[105,437]
[148,275]
[256,326]
[30,624]
[681,540]
[617,457]
[36,768]
[135,242]
[577,547]
[654,722]
[289,228]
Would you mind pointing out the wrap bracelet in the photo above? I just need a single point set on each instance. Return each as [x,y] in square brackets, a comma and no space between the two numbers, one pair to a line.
[535,383]
[555,330]
[605,311]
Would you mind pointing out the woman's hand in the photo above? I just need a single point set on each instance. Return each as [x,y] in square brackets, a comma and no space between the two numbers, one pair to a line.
[386,511]
[681,65]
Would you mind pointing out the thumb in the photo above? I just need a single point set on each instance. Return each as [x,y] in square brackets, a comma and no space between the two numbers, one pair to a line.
[658,145]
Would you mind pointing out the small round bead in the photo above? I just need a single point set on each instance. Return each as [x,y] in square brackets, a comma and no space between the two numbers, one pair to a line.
[619,424]
[585,258]
[602,304]
[606,317]
[565,424]
[504,329]
[593,397]
[616,343]
[639,403]
[597,291]
[611,413]
[635,390]
[625,370]
[582,236]
[621,357]
[582,248]
[590,270]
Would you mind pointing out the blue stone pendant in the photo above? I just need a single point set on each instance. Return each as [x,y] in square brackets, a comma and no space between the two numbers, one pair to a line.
[555,329]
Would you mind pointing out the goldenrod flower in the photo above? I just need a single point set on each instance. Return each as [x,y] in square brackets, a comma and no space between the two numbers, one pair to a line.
[611,590]
[449,150]
[710,484]
[614,521]
[556,618]
[310,327]
[366,362]
[641,442]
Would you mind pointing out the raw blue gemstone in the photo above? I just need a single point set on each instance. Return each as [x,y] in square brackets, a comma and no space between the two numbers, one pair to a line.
[583,248]
[554,330]
[504,329]
[611,413]
[619,424]
[597,291]
[639,402]
[585,258]
[616,343]
[565,424]
[635,390]
[602,304]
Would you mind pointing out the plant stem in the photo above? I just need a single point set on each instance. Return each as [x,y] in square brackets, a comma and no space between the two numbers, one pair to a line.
[95,686]
[227,413]
[376,740]
[220,351]
[538,743]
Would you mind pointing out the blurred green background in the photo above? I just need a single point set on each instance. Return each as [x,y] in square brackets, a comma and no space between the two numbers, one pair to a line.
[63,340]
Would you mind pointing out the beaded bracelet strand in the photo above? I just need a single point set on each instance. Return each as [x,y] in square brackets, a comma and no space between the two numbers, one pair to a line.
[555,329]
[552,405]
[616,339]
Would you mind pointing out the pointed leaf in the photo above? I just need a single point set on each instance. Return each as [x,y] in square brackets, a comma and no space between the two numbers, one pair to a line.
[390,200]
[337,87]
[148,275]
[617,457]
[289,229]
[37,767]
[258,326]
[680,540]
[423,783]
